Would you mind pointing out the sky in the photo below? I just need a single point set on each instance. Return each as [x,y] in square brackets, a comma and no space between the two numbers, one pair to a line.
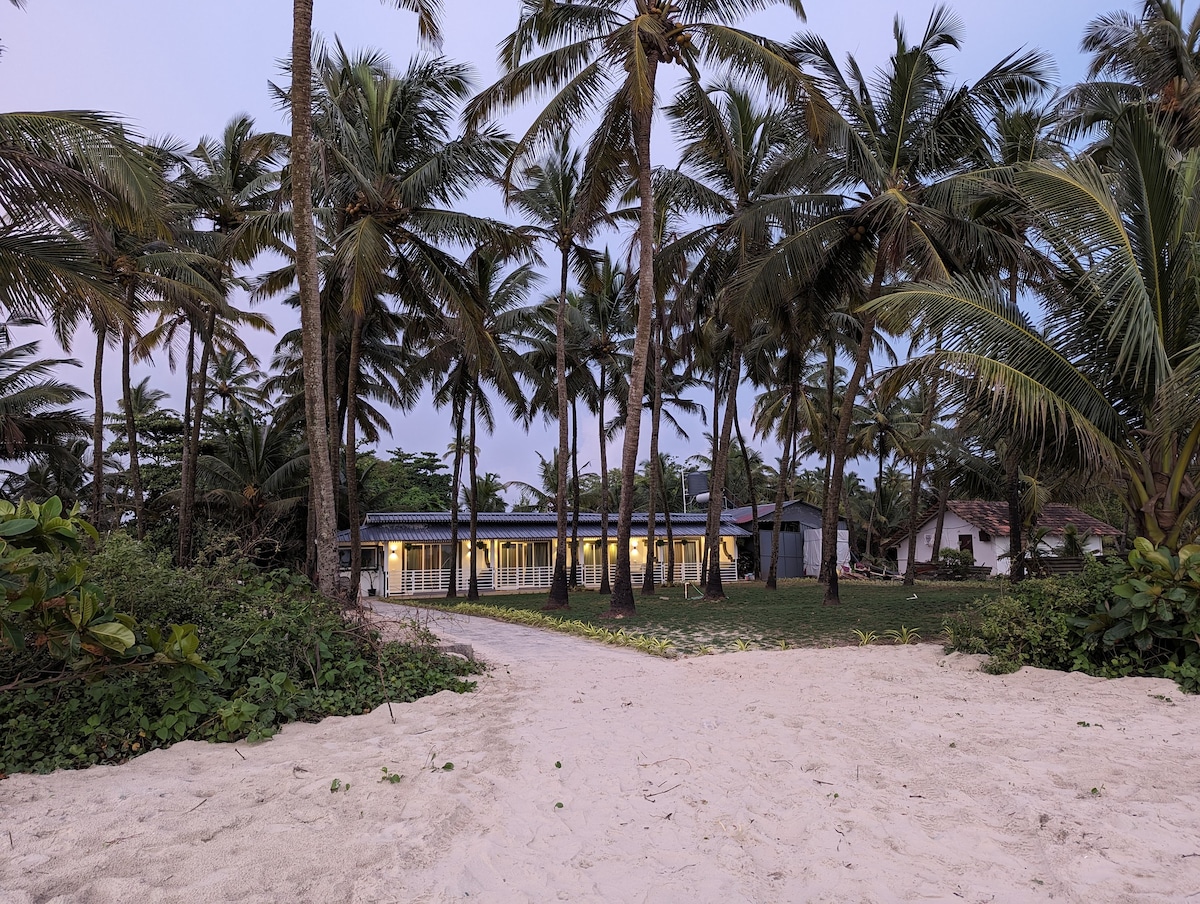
[183,69]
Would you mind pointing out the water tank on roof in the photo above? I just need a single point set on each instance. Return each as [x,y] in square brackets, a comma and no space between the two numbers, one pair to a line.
[697,484]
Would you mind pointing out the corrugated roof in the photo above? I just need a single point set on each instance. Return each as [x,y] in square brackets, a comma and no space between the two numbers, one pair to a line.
[434,527]
[1054,517]
[745,514]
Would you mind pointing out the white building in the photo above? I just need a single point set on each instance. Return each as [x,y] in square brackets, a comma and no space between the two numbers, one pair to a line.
[981,528]
[409,554]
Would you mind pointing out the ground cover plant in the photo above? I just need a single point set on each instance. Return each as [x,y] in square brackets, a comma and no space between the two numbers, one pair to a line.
[1139,616]
[762,619]
[279,652]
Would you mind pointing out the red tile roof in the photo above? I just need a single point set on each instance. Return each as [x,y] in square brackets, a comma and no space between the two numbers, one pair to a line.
[993,518]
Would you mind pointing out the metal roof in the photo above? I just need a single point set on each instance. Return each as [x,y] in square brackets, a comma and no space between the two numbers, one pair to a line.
[434,527]
[745,514]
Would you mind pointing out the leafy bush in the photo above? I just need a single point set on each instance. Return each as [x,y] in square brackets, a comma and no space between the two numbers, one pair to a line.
[51,603]
[1140,617]
[1035,624]
[280,652]
[1151,625]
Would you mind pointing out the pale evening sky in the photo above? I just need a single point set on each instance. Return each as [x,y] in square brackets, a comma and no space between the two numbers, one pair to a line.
[183,69]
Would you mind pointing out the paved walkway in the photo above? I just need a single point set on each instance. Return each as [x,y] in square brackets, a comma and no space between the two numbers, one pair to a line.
[497,641]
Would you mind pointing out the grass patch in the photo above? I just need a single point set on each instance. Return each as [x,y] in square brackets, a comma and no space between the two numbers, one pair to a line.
[755,618]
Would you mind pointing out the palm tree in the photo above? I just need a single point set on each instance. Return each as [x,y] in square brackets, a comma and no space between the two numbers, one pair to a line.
[390,178]
[226,183]
[565,206]
[33,421]
[236,381]
[742,166]
[59,167]
[255,476]
[1113,380]
[894,148]
[604,336]
[606,54]
[469,345]
[1154,58]
[308,274]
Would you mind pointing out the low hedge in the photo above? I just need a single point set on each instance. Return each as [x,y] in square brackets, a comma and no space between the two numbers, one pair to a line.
[281,653]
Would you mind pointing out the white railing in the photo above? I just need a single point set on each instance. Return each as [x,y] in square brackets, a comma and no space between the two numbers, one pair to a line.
[529,576]
[484,577]
[411,583]
[590,575]
[408,583]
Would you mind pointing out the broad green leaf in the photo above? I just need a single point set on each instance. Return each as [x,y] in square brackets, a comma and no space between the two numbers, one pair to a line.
[112,635]
[17,526]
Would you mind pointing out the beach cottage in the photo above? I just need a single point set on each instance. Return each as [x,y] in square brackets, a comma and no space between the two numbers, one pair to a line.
[799,538]
[407,554]
[981,528]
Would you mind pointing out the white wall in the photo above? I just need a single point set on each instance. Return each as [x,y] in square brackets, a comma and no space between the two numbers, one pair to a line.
[991,553]
[812,550]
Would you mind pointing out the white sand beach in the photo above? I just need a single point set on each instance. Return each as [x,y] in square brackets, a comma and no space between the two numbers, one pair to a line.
[589,774]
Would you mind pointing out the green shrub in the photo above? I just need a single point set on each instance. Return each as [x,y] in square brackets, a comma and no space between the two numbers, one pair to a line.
[280,652]
[1034,624]
[1151,623]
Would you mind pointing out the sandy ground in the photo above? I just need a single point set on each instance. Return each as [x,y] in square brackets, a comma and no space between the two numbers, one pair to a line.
[590,774]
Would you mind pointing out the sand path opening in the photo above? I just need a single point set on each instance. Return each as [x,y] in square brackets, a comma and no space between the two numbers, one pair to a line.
[587,773]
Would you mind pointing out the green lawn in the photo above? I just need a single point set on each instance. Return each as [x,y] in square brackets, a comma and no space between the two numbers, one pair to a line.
[763,619]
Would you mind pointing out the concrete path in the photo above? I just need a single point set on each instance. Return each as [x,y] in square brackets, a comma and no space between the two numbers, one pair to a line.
[499,642]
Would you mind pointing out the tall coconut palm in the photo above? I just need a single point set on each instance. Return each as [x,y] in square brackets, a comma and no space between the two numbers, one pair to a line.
[1151,58]
[58,167]
[226,183]
[565,205]
[743,167]
[1113,379]
[308,273]
[894,146]
[470,346]
[391,175]
[606,55]
[605,335]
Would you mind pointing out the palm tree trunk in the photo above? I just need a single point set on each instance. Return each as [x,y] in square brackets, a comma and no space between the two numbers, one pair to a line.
[914,494]
[457,412]
[829,516]
[713,452]
[874,505]
[753,491]
[662,483]
[135,471]
[605,588]
[574,494]
[352,501]
[98,427]
[473,581]
[1016,519]
[655,464]
[335,408]
[787,464]
[713,589]
[557,598]
[622,604]
[186,465]
[830,380]
[315,399]
[188,512]
[943,498]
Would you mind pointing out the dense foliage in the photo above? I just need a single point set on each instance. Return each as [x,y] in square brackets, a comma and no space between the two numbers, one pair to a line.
[279,653]
[1137,617]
